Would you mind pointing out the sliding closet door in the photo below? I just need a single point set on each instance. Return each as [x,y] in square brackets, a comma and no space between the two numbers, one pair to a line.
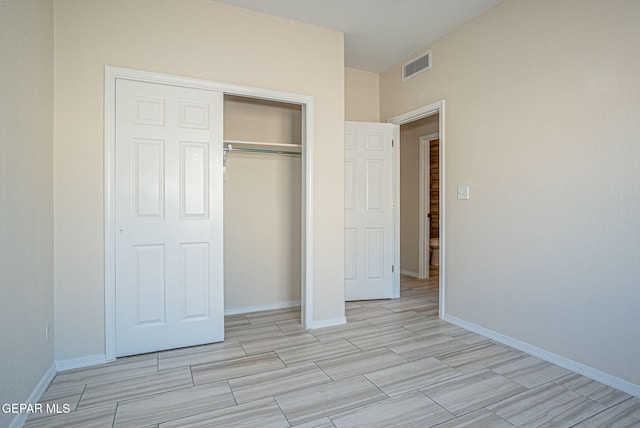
[169,228]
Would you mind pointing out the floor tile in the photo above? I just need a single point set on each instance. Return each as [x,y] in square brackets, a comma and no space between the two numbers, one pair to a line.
[259,414]
[409,410]
[472,391]
[410,376]
[59,399]
[359,363]
[328,399]
[396,318]
[384,337]
[546,405]
[316,351]
[96,417]
[121,368]
[249,332]
[318,423]
[592,389]
[185,357]
[479,419]
[229,369]
[478,357]
[261,385]
[135,387]
[173,405]
[350,329]
[429,326]
[258,346]
[623,415]
[428,346]
[274,315]
[530,371]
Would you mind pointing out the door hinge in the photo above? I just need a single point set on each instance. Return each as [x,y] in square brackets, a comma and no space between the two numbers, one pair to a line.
[393,268]
[392,143]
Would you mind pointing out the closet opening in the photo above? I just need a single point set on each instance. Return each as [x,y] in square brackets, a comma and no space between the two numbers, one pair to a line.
[263,212]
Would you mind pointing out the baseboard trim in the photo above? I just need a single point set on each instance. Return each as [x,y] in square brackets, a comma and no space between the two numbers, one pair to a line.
[409,273]
[329,323]
[35,395]
[76,363]
[559,360]
[249,309]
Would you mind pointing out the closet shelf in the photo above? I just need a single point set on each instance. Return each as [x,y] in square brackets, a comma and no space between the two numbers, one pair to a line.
[260,143]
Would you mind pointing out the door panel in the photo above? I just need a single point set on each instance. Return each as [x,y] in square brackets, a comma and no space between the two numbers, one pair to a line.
[369,217]
[169,254]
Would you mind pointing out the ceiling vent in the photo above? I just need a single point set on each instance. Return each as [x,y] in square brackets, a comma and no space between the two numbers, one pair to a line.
[416,66]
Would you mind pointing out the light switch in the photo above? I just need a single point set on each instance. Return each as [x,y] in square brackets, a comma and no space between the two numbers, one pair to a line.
[463,192]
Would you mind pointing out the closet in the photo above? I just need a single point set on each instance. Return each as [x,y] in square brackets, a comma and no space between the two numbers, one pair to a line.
[262,204]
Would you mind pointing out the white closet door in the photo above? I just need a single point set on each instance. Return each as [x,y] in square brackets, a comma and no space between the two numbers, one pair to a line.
[368,234]
[169,228]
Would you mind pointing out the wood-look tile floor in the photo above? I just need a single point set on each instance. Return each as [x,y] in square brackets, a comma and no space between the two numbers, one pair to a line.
[393,364]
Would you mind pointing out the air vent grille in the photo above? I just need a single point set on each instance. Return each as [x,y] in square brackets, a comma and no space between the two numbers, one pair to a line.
[416,66]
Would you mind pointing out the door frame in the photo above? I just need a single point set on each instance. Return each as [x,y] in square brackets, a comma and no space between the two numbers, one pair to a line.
[111,75]
[411,116]
[424,232]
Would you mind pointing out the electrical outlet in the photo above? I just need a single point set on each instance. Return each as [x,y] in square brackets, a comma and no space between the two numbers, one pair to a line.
[47,330]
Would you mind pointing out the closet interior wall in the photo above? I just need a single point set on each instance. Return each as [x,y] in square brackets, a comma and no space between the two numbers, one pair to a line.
[262,207]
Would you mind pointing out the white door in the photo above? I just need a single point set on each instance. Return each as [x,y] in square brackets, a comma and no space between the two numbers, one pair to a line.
[368,205]
[169,248]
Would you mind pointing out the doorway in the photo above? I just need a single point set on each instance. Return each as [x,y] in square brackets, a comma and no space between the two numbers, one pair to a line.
[419,121]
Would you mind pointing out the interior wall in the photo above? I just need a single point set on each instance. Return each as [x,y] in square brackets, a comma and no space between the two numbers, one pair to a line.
[410,134]
[26,195]
[194,38]
[542,106]
[361,95]
[262,207]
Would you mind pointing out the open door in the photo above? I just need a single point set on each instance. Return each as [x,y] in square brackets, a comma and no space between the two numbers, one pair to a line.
[369,211]
[168,217]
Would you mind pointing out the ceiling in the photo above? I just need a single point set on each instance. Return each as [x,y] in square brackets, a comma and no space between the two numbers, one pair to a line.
[378,33]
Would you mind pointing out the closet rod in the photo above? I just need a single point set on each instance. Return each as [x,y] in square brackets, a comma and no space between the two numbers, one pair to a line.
[266,151]
[261,143]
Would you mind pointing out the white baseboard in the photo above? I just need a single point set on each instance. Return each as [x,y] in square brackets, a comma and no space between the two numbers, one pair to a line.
[76,363]
[329,323]
[559,360]
[280,305]
[409,273]
[35,395]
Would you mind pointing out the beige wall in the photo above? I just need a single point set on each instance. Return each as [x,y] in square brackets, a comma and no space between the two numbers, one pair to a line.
[26,197]
[361,95]
[542,107]
[262,206]
[410,190]
[195,38]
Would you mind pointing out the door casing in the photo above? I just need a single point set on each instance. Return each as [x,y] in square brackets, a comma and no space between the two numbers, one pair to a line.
[411,116]
[307,104]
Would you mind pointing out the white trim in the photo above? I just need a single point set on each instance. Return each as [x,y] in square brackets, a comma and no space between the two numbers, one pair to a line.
[35,395]
[77,363]
[328,323]
[396,211]
[249,309]
[410,273]
[590,372]
[306,102]
[424,232]
[411,116]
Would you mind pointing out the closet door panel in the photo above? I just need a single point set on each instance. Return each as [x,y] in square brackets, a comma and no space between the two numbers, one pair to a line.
[194,189]
[168,213]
